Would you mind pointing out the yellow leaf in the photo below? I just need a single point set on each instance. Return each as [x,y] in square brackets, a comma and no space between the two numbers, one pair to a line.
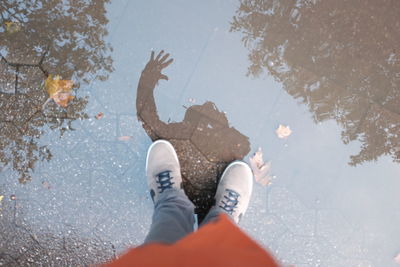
[59,90]
[12,27]
[1,198]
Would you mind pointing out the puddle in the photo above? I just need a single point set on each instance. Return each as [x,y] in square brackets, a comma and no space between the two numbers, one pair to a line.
[312,84]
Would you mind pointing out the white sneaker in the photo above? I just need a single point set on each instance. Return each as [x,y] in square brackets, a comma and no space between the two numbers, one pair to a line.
[234,190]
[162,168]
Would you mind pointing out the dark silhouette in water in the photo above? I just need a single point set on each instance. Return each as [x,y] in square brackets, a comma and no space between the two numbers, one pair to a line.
[203,140]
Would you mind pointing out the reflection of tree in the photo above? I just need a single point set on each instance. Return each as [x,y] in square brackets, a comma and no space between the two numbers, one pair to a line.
[204,141]
[72,31]
[340,58]
[53,37]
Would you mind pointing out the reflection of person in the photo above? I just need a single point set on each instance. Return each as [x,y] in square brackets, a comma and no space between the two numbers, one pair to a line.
[205,141]
[171,242]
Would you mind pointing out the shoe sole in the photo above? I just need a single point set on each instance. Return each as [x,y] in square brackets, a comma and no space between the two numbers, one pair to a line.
[158,142]
[247,166]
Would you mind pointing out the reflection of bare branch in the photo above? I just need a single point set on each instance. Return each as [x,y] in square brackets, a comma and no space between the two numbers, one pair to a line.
[16,79]
[17,65]
[2,17]
[47,49]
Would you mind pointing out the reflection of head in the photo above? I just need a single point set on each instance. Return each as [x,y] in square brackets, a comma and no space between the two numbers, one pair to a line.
[213,134]
[208,109]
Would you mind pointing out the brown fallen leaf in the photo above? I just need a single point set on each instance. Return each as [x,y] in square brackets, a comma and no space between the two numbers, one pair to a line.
[260,169]
[99,115]
[283,131]
[124,138]
[13,197]
[59,90]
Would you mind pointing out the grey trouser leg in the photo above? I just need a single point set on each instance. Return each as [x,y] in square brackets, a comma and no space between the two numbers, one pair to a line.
[211,216]
[172,218]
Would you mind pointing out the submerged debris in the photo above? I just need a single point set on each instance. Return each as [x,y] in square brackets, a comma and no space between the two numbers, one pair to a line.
[46,185]
[260,169]
[124,138]
[99,116]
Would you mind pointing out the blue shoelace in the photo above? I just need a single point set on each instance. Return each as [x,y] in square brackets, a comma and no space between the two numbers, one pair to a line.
[164,179]
[231,201]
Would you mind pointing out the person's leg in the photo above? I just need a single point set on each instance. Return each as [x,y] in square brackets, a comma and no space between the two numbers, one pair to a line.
[211,216]
[173,211]
[172,218]
[233,192]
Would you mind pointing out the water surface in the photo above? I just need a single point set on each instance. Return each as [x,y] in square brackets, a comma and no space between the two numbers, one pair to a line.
[329,70]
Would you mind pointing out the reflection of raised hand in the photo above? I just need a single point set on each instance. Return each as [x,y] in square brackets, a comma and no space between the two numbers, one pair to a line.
[145,104]
[152,72]
[148,81]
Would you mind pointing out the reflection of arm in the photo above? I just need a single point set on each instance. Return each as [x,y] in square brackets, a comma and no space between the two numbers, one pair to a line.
[146,109]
